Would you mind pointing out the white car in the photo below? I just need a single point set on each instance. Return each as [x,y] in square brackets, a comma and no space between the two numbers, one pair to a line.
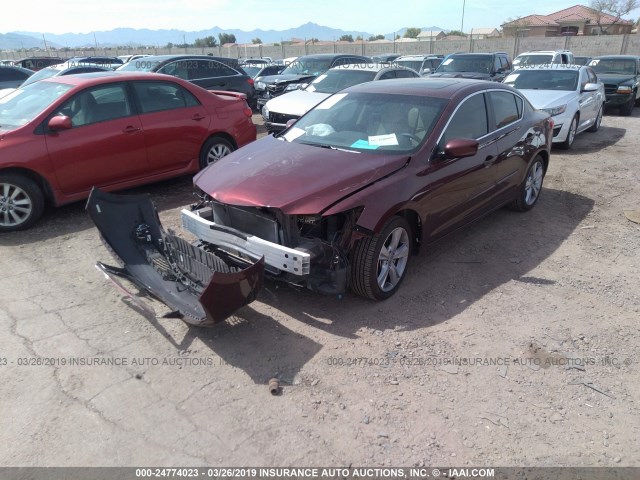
[291,106]
[572,95]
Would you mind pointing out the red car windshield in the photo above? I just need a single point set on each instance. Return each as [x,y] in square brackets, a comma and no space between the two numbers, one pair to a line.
[360,122]
[21,106]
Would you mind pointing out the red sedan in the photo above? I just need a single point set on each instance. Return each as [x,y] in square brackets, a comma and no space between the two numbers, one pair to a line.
[60,137]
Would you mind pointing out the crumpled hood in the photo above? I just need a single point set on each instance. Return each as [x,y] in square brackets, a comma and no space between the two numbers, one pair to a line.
[472,75]
[615,79]
[297,102]
[547,98]
[295,178]
[289,78]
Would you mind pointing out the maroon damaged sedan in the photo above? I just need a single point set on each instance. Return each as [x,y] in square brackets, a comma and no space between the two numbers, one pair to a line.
[61,136]
[345,196]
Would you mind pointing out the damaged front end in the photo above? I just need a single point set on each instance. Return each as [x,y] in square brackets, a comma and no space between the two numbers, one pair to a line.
[309,251]
[204,285]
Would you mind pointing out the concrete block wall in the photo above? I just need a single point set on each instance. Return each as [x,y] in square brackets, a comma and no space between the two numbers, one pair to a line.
[583,45]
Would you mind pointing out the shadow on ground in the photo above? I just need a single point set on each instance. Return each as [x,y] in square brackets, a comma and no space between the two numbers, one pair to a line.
[444,280]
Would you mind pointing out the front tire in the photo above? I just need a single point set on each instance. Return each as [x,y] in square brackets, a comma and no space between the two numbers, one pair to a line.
[598,121]
[213,150]
[571,134]
[379,263]
[21,202]
[627,108]
[531,187]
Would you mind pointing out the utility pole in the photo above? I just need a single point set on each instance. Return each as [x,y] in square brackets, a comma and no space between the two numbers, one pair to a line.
[462,24]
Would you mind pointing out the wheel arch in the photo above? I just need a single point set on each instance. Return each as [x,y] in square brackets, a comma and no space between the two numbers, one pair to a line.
[39,180]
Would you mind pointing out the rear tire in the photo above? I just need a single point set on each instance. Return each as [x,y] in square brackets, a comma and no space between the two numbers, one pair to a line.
[213,150]
[531,187]
[21,202]
[379,263]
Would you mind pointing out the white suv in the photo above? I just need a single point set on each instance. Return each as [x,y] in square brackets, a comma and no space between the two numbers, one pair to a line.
[543,57]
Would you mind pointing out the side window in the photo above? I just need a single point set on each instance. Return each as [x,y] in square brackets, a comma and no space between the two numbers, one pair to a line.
[584,79]
[406,74]
[178,69]
[469,121]
[497,66]
[160,96]
[100,104]
[209,69]
[592,76]
[507,108]
[388,75]
[505,64]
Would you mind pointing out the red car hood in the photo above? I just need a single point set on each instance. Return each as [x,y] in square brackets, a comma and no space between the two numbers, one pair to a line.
[295,178]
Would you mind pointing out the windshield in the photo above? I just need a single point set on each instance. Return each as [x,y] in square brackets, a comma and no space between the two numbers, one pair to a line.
[139,65]
[581,60]
[413,64]
[21,106]
[308,66]
[42,74]
[371,122]
[251,71]
[335,80]
[466,63]
[543,80]
[537,59]
[614,66]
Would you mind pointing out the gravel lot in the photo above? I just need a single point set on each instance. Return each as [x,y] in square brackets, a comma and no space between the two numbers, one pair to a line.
[514,342]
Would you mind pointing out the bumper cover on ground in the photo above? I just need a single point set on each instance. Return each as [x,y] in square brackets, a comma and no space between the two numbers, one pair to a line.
[203,287]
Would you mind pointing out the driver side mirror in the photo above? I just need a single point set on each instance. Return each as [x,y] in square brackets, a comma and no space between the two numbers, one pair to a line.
[590,87]
[459,148]
[59,123]
[425,71]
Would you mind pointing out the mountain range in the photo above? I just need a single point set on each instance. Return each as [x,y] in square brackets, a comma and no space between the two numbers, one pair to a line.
[145,37]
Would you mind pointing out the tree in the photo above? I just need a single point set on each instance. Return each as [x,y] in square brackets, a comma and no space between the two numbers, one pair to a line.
[412,32]
[206,42]
[359,38]
[226,38]
[256,41]
[346,38]
[169,45]
[615,8]
[457,33]
[373,38]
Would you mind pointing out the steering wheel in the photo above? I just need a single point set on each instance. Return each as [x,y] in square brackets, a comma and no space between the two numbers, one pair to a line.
[412,137]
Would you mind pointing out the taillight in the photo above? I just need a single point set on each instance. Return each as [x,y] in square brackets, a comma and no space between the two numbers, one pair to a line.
[247,111]
[251,82]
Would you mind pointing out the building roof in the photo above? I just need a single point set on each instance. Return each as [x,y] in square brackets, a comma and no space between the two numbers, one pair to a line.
[430,33]
[577,13]
[582,13]
[483,31]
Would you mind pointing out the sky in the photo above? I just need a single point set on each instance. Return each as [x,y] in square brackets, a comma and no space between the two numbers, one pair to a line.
[371,16]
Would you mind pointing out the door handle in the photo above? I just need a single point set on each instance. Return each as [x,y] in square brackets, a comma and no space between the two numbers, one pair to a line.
[197,117]
[130,129]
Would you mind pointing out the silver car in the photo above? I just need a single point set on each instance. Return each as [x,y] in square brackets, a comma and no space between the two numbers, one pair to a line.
[291,106]
[572,95]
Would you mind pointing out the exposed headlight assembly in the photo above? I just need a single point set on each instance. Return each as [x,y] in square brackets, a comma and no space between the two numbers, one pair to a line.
[624,89]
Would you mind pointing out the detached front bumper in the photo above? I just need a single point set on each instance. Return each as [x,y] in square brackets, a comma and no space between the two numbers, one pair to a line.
[204,287]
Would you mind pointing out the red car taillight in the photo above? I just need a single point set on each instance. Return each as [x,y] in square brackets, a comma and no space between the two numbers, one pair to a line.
[251,82]
[247,111]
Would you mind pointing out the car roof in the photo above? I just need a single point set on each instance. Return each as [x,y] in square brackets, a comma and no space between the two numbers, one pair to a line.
[72,64]
[97,78]
[428,87]
[546,66]
[330,55]
[620,57]
[16,67]
[369,66]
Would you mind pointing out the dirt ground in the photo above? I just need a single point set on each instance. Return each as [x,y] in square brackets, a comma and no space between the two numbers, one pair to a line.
[514,342]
